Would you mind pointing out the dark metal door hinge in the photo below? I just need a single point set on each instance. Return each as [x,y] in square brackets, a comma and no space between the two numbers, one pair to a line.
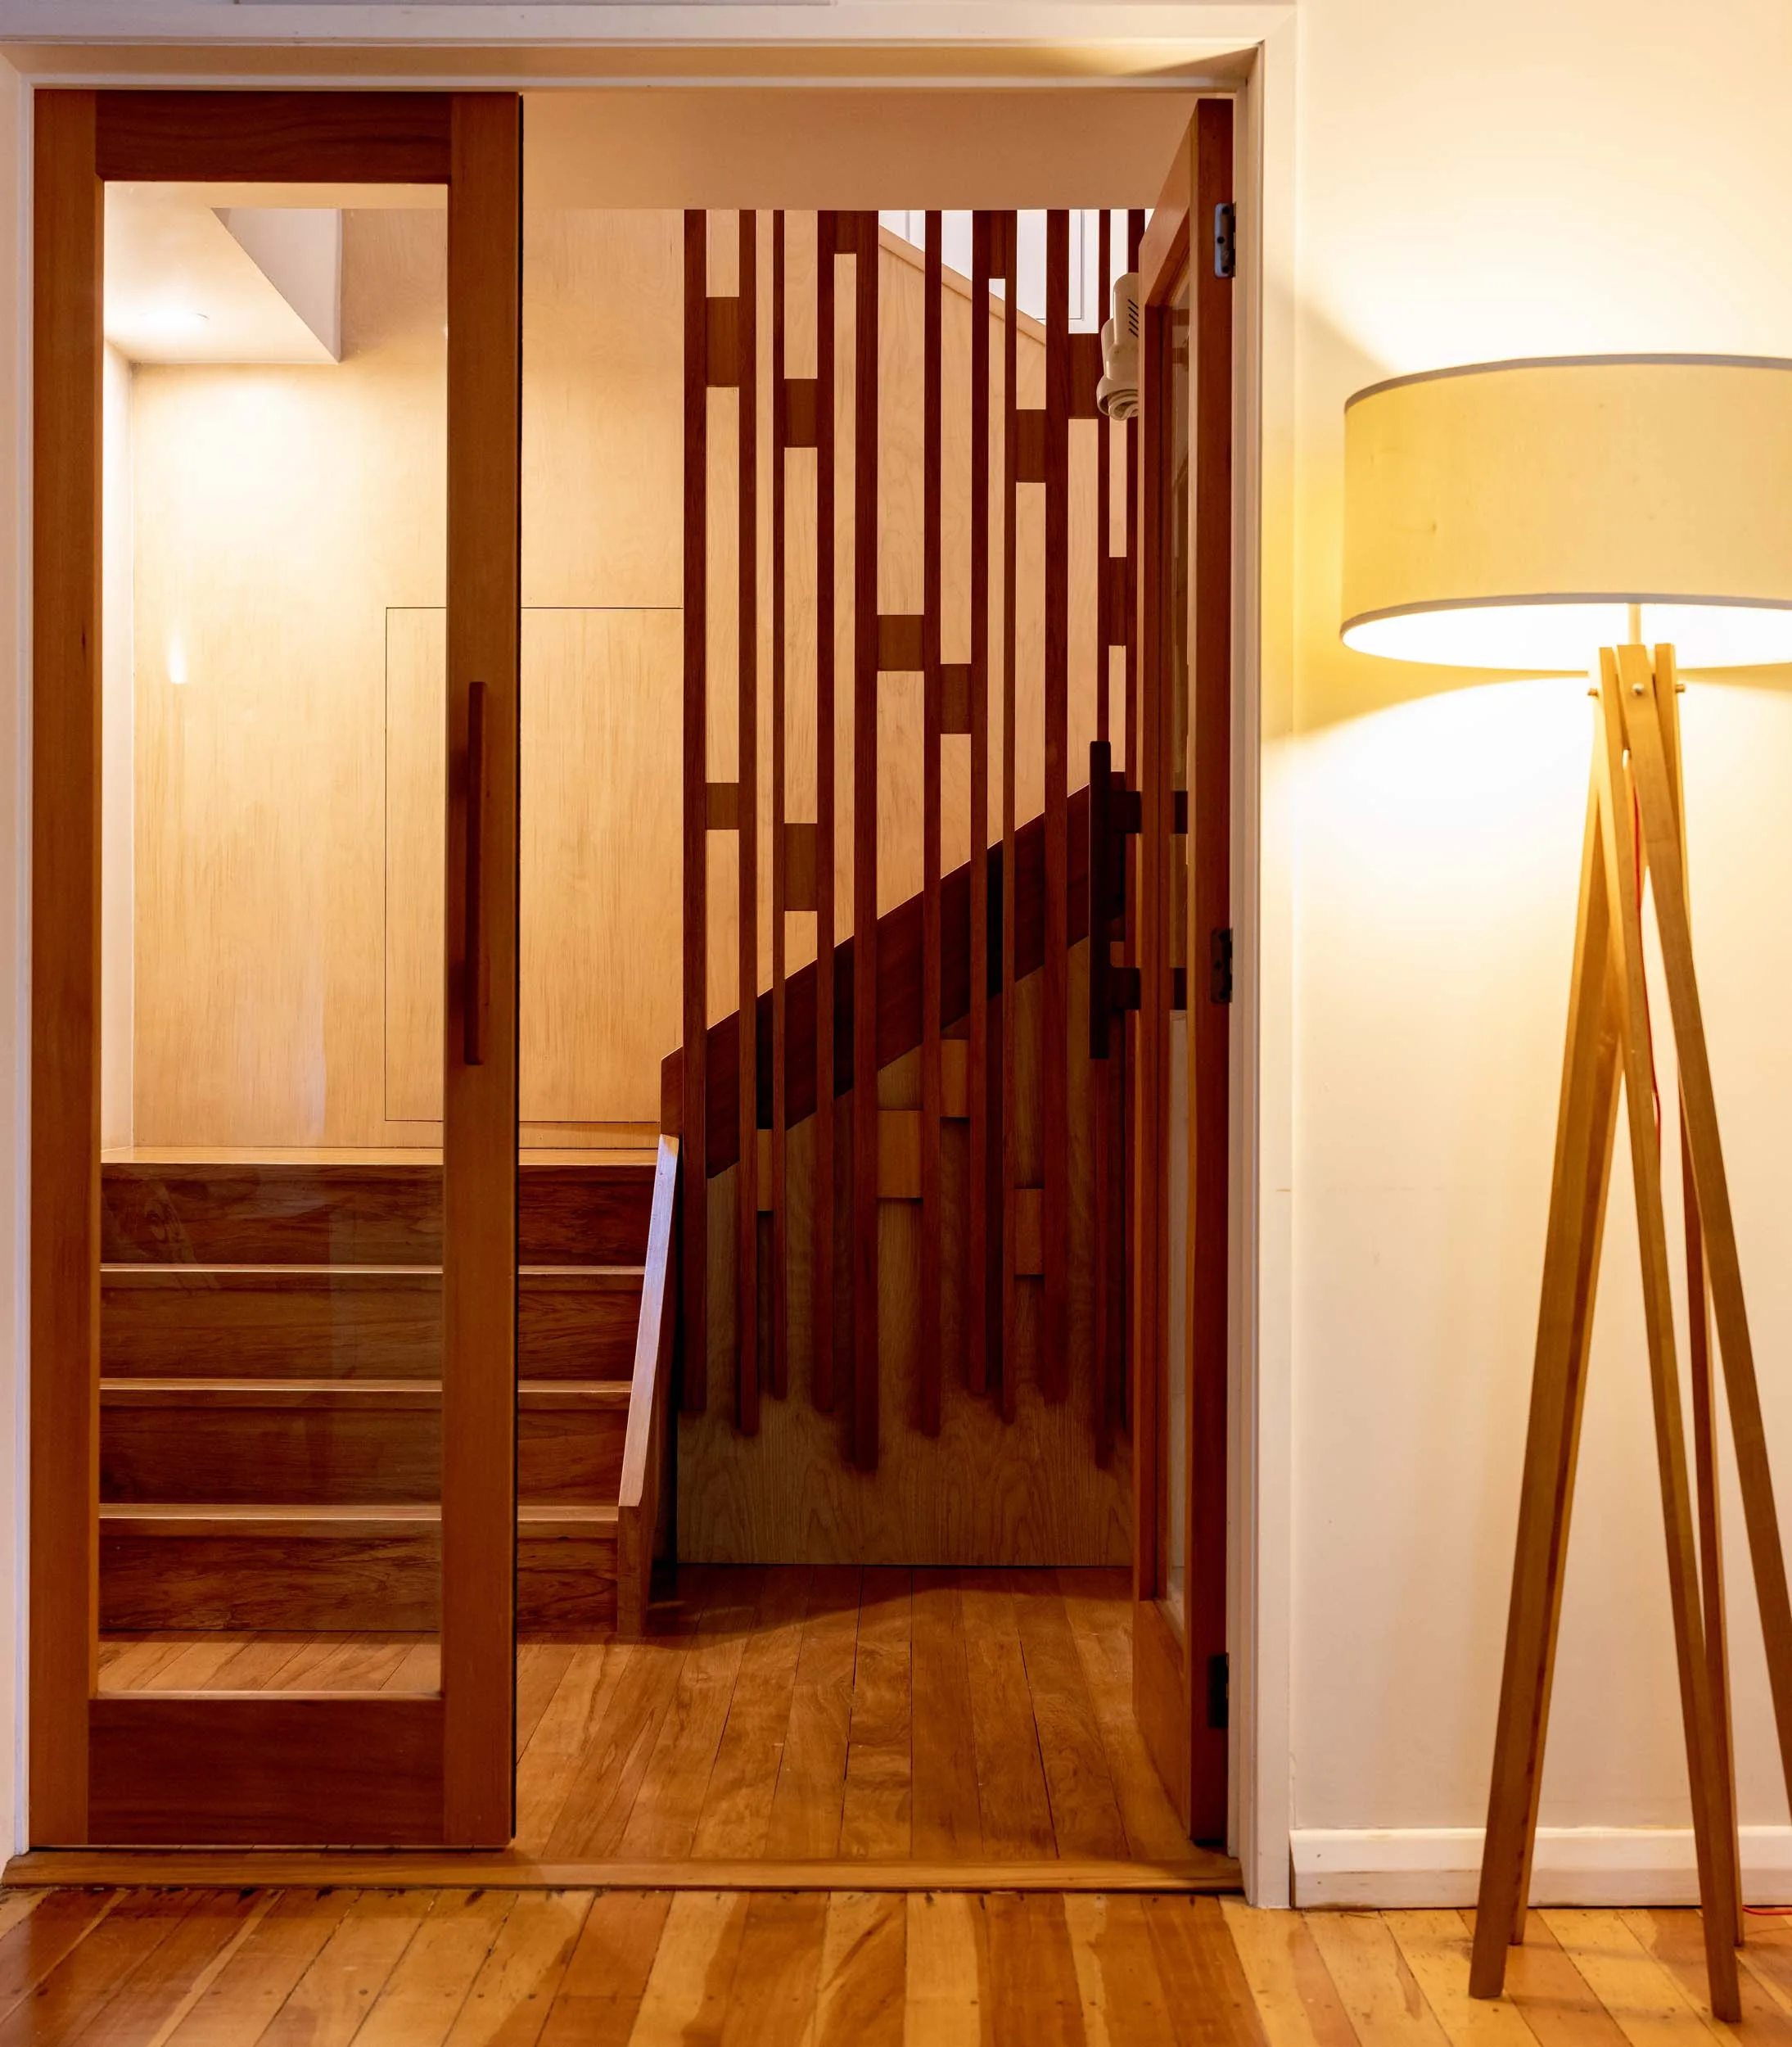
[1226,240]
[1221,957]
[1219,1689]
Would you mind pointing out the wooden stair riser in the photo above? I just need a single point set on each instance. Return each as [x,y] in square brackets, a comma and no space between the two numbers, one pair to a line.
[349,1214]
[169,1323]
[322,1455]
[352,1584]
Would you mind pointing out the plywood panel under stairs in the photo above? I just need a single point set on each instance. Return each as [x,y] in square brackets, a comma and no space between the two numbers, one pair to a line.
[1035,1489]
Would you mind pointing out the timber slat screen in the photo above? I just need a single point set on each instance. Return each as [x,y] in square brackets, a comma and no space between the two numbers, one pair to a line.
[947,508]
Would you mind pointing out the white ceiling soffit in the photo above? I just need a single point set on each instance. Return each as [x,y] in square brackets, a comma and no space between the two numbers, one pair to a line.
[298,250]
[191,282]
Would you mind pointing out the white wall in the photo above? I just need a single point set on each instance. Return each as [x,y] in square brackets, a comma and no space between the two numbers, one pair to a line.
[1477,183]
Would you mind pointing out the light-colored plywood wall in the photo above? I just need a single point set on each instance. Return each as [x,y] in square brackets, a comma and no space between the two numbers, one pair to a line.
[290,545]
[280,512]
[600,859]
[290,541]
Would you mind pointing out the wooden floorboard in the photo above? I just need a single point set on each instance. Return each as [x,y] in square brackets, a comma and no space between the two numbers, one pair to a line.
[1012,1968]
[797,1715]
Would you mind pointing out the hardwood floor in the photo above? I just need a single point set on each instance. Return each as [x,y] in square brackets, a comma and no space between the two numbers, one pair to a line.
[795,1715]
[578,1968]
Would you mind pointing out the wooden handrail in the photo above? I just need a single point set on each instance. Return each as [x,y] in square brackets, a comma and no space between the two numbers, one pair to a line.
[899,986]
[643,1449]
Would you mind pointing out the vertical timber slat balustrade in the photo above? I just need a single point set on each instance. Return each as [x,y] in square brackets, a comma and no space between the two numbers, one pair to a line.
[747,816]
[864,846]
[694,1107]
[821,1284]
[1009,227]
[1054,1104]
[933,1247]
[956,956]
[779,1360]
[985,1220]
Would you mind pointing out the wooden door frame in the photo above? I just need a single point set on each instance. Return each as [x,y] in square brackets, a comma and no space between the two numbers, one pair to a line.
[1180,1682]
[436,1770]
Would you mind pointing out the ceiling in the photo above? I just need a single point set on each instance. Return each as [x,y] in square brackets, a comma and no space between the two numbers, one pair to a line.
[218,273]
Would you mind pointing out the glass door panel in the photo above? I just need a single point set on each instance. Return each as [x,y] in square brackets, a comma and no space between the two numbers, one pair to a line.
[274,466]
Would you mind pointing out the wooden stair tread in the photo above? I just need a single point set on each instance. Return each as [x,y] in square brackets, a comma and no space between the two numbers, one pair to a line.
[574,1394]
[311,1210]
[423,1158]
[336,1523]
[570,1278]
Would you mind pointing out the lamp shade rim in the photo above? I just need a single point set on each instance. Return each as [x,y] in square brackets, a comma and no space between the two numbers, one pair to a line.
[1544,598]
[1568,362]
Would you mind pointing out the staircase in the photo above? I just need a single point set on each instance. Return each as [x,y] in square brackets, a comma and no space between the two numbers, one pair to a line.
[270,1404]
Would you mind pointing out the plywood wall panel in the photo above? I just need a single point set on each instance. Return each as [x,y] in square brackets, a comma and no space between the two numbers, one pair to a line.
[288,904]
[415,735]
[280,511]
[600,841]
[290,541]
[600,903]
[602,400]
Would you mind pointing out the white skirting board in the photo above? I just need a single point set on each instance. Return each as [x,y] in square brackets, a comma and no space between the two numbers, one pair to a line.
[1574,1865]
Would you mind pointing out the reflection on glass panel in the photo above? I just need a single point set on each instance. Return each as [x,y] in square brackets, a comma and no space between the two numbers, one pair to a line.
[1173,1522]
[601,851]
[274,496]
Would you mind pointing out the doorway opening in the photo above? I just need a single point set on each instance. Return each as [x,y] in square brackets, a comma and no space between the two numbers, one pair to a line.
[854,1343]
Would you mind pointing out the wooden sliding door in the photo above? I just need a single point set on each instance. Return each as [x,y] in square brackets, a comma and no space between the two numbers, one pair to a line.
[345,1559]
[1180,1132]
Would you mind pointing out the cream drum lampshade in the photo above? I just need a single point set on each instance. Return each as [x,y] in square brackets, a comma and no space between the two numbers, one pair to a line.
[1507,515]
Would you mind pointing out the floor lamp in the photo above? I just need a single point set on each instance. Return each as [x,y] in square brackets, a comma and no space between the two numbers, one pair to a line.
[1529,516]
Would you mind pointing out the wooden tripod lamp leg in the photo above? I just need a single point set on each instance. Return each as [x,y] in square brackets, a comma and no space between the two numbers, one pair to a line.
[1718,1879]
[1655,795]
[1585,1124]
[1636,779]
[1704,1430]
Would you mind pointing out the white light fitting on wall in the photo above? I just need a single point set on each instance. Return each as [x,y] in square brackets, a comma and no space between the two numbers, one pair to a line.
[169,323]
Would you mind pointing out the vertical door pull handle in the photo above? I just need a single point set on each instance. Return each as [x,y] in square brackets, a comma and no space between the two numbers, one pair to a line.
[477,1006]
